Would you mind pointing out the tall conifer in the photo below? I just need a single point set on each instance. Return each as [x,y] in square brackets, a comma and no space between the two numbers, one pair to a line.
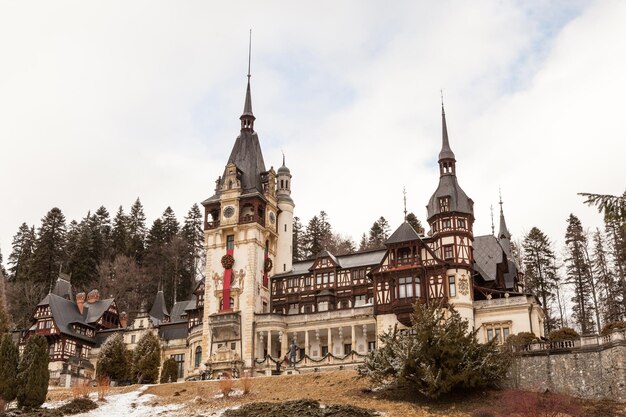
[9,358]
[136,231]
[33,374]
[20,259]
[49,252]
[540,278]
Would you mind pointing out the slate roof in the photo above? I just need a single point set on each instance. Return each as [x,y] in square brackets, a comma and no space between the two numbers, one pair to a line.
[173,331]
[178,310]
[359,259]
[63,288]
[325,254]
[487,256]
[449,187]
[446,151]
[93,311]
[158,311]
[404,233]
[509,277]
[65,313]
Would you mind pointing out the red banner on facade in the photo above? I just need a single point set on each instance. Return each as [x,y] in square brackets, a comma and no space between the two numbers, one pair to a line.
[228,274]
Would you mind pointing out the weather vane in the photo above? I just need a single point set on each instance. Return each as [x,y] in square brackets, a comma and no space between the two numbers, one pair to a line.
[404,192]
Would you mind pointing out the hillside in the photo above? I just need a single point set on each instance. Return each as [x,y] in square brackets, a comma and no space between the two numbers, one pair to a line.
[203,398]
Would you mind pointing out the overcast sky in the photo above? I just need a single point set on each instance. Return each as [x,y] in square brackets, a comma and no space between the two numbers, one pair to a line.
[104,102]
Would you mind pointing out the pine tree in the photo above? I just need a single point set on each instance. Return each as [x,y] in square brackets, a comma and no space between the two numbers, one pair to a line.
[33,374]
[49,252]
[3,271]
[146,359]
[112,359]
[539,277]
[317,235]
[379,233]
[83,257]
[297,240]
[412,219]
[363,244]
[579,275]
[9,358]
[193,236]
[20,259]
[611,296]
[156,235]
[119,234]
[171,227]
[136,231]
[616,239]
[101,234]
[5,322]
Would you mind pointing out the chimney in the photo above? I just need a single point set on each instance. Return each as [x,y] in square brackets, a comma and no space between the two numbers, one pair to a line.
[123,319]
[93,296]
[80,301]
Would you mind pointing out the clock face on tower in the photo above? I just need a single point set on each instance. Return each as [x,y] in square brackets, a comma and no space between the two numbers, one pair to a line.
[229,211]
[272,217]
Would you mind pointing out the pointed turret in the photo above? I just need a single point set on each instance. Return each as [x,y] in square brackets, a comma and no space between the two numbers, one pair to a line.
[247,118]
[503,234]
[449,197]
[446,153]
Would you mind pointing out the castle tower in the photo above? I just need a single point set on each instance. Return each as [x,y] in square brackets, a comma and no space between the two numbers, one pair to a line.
[284,251]
[241,239]
[451,219]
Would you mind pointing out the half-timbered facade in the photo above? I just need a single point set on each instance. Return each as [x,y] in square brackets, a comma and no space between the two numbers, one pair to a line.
[71,327]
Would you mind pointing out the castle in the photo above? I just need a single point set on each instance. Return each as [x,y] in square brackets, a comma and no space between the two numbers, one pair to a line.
[255,301]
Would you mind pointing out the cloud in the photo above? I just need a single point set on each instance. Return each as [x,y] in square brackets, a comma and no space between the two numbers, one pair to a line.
[104,102]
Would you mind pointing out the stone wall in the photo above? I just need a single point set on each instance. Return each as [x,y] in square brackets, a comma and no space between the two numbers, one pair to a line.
[592,367]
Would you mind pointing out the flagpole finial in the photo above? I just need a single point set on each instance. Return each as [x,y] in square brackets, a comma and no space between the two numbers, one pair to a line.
[249,52]
[405,212]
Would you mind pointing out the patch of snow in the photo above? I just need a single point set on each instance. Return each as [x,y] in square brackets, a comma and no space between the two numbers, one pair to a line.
[234,393]
[130,404]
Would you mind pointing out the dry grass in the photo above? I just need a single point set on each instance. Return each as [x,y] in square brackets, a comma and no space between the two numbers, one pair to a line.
[225,386]
[246,384]
[104,385]
[328,388]
[81,389]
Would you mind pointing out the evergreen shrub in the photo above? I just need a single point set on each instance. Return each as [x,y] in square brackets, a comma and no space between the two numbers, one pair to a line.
[611,327]
[146,360]
[562,334]
[113,359]
[9,359]
[169,371]
[438,354]
[33,374]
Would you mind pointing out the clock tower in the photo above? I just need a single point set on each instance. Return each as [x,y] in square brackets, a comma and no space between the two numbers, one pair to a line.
[241,239]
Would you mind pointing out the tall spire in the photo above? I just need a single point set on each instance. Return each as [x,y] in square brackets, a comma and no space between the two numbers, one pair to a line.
[493,228]
[446,152]
[447,161]
[503,233]
[247,118]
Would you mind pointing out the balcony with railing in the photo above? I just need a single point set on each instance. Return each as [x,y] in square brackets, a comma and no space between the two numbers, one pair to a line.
[252,218]
[212,224]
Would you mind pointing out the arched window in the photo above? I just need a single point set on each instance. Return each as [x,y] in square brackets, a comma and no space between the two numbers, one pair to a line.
[198,358]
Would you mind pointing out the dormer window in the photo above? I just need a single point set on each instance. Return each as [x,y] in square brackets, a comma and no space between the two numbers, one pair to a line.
[444,204]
